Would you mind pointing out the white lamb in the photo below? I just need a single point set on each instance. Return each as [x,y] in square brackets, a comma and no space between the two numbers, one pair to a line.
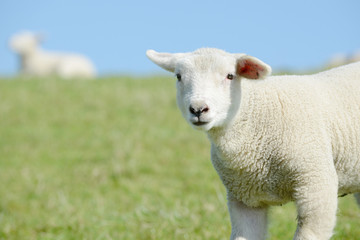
[37,62]
[273,139]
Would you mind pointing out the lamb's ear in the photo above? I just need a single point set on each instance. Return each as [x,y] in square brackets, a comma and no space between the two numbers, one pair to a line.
[165,60]
[252,68]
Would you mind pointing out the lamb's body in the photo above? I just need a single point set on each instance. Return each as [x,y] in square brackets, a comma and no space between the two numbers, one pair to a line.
[287,126]
[284,138]
[66,65]
[38,62]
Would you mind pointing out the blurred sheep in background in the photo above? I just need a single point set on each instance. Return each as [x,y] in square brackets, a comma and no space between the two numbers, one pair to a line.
[38,62]
[355,57]
[343,59]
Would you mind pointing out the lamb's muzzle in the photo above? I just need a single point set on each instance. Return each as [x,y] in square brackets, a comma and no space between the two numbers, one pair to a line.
[198,110]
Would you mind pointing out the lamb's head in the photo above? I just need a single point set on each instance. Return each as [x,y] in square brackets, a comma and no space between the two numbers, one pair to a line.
[25,42]
[208,86]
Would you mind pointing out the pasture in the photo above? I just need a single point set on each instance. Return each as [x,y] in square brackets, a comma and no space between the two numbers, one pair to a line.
[113,159]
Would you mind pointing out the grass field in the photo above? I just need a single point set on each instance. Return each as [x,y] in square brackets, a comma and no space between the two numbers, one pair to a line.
[113,159]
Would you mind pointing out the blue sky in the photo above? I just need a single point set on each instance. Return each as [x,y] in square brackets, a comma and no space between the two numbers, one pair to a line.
[295,35]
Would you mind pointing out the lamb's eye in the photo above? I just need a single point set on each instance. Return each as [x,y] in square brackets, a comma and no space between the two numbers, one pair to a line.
[178,76]
[230,76]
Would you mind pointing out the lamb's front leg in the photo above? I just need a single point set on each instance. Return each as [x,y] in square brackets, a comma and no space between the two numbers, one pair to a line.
[246,222]
[316,202]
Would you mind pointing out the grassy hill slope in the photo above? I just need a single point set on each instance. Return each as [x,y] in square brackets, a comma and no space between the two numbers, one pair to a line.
[113,159]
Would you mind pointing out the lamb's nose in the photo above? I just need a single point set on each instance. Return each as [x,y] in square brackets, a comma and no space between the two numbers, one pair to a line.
[198,110]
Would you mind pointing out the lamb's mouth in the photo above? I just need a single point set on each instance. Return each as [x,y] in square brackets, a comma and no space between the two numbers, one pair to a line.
[199,123]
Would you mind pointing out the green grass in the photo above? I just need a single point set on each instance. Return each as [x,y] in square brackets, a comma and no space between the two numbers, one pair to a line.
[113,159]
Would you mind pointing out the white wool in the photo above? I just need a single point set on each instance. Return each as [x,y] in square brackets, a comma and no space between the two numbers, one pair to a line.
[274,139]
[38,62]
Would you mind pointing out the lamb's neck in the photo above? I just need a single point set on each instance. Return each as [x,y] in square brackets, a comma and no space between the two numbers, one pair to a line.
[244,133]
[233,130]
[227,135]
[29,53]
[27,57]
